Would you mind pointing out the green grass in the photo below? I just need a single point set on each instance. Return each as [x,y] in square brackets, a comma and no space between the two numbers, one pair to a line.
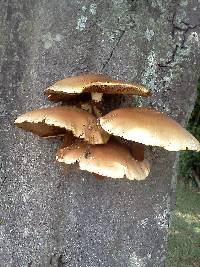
[184,234]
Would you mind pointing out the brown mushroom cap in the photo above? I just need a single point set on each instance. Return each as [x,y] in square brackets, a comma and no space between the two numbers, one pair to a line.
[111,160]
[48,122]
[93,83]
[149,127]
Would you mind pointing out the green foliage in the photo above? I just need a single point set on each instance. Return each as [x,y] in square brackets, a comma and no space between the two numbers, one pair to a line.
[184,233]
[189,160]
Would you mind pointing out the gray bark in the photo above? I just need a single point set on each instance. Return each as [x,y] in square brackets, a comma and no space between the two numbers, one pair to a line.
[55,218]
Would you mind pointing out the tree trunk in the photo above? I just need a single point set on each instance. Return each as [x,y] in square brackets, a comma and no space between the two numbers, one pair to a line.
[53,218]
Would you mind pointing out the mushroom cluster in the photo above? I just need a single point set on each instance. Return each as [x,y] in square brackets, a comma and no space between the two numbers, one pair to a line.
[109,145]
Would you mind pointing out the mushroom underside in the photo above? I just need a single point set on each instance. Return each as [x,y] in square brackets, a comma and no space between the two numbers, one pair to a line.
[115,89]
[42,129]
[62,95]
[74,99]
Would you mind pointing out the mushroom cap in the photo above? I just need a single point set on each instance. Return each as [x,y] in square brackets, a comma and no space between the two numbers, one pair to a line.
[93,83]
[111,160]
[149,127]
[49,122]
[71,153]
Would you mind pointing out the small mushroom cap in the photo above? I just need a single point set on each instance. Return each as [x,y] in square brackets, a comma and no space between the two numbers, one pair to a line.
[72,153]
[149,127]
[92,83]
[111,160]
[48,122]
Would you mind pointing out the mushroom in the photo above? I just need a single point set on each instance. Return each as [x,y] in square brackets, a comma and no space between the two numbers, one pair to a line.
[50,122]
[149,127]
[136,149]
[96,84]
[111,160]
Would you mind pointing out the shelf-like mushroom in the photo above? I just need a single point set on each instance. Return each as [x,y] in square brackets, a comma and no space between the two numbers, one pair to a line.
[96,84]
[111,160]
[149,127]
[50,122]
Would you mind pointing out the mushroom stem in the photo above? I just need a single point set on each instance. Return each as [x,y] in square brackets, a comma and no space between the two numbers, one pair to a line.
[97,112]
[137,150]
[92,109]
[68,139]
[87,107]
[97,97]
